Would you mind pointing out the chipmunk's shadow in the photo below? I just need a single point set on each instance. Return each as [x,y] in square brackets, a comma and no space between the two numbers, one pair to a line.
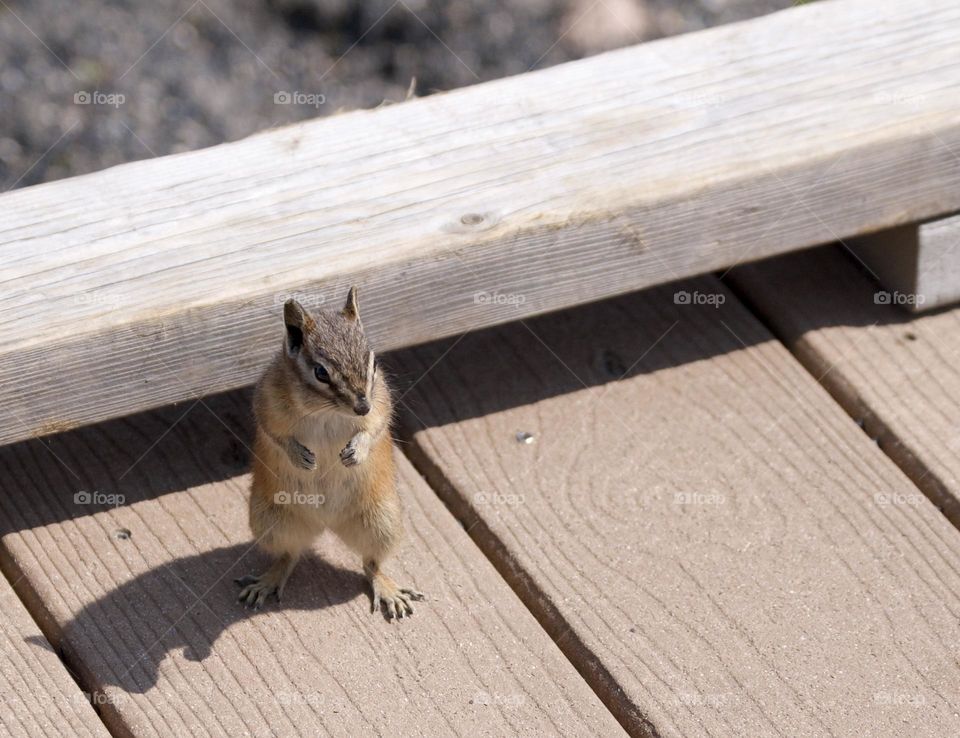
[186,606]
[480,373]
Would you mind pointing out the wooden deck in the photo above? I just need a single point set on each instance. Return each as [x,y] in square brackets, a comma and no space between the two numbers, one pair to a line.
[648,491]
[695,539]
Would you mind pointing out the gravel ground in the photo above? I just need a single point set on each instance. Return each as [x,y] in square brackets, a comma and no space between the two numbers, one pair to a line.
[85,85]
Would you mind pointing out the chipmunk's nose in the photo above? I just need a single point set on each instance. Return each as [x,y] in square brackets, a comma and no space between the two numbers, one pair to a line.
[362,407]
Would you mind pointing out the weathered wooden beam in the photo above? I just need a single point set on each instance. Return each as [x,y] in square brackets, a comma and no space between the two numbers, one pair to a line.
[919,265]
[156,281]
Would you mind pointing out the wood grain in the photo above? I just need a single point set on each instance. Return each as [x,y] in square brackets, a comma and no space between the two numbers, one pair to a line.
[140,599]
[37,694]
[706,538]
[158,281]
[918,264]
[896,374]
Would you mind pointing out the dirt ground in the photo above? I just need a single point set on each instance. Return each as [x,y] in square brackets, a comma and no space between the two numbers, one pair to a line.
[88,84]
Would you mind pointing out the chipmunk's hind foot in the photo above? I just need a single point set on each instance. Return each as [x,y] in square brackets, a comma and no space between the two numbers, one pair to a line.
[394,600]
[256,589]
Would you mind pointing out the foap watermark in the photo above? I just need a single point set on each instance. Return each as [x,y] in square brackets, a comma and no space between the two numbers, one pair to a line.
[682,297]
[314,699]
[899,698]
[498,298]
[900,97]
[898,498]
[99,699]
[308,300]
[95,497]
[699,100]
[505,700]
[709,699]
[698,498]
[113,99]
[296,97]
[286,497]
[882,297]
[497,498]
[74,698]
[97,298]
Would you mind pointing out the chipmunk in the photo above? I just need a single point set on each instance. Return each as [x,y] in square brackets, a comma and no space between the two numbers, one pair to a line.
[323,454]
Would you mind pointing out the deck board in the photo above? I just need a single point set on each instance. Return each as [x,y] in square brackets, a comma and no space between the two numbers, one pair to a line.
[125,611]
[895,373]
[700,537]
[38,696]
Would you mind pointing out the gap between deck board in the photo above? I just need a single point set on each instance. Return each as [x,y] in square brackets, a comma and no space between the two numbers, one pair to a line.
[789,325]
[81,676]
[594,673]
[44,677]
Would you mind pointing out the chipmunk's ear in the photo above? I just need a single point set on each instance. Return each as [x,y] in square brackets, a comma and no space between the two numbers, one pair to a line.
[297,321]
[351,311]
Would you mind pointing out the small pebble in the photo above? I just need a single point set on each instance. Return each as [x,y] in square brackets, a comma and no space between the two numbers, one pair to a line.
[613,364]
[122,534]
[524,437]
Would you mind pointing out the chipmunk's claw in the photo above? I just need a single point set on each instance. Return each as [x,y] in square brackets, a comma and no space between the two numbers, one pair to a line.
[302,456]
[256,590]
[349,455]
[356,451]
[394,600]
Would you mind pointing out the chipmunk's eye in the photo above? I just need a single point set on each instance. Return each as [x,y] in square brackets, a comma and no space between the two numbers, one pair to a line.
[321,374]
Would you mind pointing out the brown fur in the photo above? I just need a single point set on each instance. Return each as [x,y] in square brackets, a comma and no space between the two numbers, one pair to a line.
[318,462]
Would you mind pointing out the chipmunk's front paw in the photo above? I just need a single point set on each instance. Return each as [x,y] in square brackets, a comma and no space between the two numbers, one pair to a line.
[356,451]
[302,456]
[395,600]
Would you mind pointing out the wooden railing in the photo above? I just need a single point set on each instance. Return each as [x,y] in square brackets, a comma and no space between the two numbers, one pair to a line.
[157,281]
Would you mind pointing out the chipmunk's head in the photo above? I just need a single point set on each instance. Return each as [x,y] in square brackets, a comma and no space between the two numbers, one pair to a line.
[329,351]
